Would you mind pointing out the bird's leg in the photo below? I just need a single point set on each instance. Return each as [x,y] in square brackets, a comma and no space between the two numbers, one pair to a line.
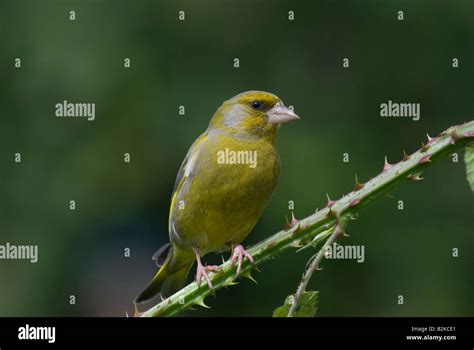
[202,270]
[238,254]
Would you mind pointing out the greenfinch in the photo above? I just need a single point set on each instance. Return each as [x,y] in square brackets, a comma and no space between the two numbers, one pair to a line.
[222,188]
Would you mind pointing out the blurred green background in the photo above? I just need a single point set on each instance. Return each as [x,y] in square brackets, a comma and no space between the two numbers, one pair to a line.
[190,63]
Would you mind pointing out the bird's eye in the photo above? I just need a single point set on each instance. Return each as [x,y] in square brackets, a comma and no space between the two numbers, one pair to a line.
[256,104]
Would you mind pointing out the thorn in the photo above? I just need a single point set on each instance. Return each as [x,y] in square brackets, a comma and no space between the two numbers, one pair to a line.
[354,202]
[200,302]
[248,275]
[294,233]
[430,139]
[424,147]
[425,159]
[386,165]
[345,234]
[454,137]
[287,225]
[405,156]
[354,216]
[126,314]
[296,244]
[331,213]
[415,176]
[330,202]
[357,184]
[317,209]
[293,222]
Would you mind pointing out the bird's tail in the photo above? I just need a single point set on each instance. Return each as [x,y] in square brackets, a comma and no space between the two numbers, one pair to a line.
[171,276]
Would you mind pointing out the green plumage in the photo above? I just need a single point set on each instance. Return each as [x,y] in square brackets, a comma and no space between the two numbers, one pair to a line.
[216,204]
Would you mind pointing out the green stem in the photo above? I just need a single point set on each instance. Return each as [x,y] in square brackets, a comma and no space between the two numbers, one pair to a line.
[312,266]
[308,228]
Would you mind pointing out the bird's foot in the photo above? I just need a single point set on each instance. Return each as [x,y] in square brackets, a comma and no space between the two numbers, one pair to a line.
[203,270]
[238,254]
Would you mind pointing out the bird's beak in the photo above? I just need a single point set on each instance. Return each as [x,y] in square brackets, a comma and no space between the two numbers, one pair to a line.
[280,114]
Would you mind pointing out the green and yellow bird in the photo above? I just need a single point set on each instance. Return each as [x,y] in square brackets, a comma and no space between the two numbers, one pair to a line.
[221,190]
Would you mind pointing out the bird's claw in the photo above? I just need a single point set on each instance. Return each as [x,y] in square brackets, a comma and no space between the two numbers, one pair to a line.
[238,254]
[202,272]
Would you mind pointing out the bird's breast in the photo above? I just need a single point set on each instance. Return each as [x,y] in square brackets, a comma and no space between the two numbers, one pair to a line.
[231,185]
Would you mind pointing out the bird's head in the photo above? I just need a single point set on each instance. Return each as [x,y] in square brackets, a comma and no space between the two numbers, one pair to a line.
[255,114]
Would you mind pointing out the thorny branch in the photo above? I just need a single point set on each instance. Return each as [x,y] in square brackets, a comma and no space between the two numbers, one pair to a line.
[310,230]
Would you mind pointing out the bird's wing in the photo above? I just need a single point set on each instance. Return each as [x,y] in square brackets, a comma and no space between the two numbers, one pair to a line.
[185,172]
